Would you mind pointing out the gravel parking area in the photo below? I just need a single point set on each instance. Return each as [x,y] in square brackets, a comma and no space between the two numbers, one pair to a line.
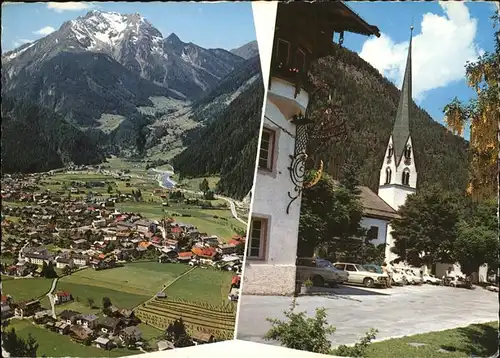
[395,312]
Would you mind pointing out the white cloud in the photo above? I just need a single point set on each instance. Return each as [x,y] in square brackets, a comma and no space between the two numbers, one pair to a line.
[18,42]
[47,30]
[439,52]
[69,6]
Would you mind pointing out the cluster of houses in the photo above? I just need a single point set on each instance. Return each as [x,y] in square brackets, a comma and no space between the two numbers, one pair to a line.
[99,236]
[117,328]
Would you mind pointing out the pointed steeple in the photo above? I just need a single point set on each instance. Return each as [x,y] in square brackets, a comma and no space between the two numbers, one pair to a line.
[401,129]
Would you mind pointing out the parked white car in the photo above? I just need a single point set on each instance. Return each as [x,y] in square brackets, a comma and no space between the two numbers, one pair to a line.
[413,278]
[398,278]
[194,262]
[361,275]
[431,279]
[402,277]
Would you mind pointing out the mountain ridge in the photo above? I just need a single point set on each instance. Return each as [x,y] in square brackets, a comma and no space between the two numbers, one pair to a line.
[185,68]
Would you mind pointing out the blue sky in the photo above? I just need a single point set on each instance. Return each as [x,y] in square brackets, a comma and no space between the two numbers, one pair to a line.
[444,38]
[221,25]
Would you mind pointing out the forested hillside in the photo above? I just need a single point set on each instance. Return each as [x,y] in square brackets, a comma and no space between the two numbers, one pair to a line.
[211,105]
[369,103]
[36,139]
[227,146]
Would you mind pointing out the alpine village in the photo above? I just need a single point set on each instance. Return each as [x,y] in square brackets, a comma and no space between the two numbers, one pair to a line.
[106,249]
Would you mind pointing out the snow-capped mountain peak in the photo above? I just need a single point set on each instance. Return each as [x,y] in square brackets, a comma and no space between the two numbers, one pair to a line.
[132,42]
[99,29]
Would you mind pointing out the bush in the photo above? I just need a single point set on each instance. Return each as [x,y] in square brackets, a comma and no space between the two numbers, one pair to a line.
[301,332]
[311,334]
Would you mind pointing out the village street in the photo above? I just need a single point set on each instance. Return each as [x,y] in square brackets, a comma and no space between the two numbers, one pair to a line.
[396,312]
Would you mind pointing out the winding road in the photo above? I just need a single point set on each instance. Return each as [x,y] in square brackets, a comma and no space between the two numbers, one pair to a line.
[51,297]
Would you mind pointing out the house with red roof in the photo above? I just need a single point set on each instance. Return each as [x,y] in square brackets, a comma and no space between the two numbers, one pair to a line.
[185,256]
[62,297]
[176,231]
[206,255]
[156,240]
[6,299]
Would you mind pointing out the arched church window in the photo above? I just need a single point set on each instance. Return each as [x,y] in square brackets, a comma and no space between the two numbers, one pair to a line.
[406,177]
[408,152]
[390,152]
[388,173]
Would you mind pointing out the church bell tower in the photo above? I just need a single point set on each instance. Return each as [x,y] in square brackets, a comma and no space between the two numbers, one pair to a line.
[398,174]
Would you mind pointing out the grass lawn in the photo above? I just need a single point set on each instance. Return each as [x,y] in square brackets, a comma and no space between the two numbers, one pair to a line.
[126,286]
[150,210]
[194,183]
[121,164]
[82,292]
[80,306]
[52,248]
[479,340]
[150,333]
[206,285]
[52,344]
[14,219]
[80,177]
[221,228]
[26,288]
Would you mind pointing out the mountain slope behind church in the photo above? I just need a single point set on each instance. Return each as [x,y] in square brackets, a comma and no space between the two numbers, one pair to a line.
[369,103]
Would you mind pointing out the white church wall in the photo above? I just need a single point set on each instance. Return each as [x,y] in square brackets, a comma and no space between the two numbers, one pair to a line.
[385,165]
[411,167]
[395,193]
[368,222]
[389,256]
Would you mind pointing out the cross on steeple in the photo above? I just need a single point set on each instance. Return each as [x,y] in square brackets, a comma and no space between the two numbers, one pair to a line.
[401,129]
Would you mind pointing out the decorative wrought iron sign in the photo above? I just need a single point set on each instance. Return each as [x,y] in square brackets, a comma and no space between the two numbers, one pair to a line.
[330,124]
[297,168]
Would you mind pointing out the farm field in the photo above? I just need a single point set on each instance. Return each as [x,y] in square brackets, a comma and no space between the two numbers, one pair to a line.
[80,306]
[194,183]
[218,320]
[84,291]
[150,334]
[202,285]
[52,344]
[26,288]
[126,286]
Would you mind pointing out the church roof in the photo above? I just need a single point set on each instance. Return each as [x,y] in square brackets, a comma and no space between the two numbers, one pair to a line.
[374,205]
[401,129]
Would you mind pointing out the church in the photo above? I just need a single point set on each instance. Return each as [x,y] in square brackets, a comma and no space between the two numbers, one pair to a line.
[398,179]
[398,173]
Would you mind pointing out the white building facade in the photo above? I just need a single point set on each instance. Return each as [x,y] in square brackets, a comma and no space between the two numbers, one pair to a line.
[303,33]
